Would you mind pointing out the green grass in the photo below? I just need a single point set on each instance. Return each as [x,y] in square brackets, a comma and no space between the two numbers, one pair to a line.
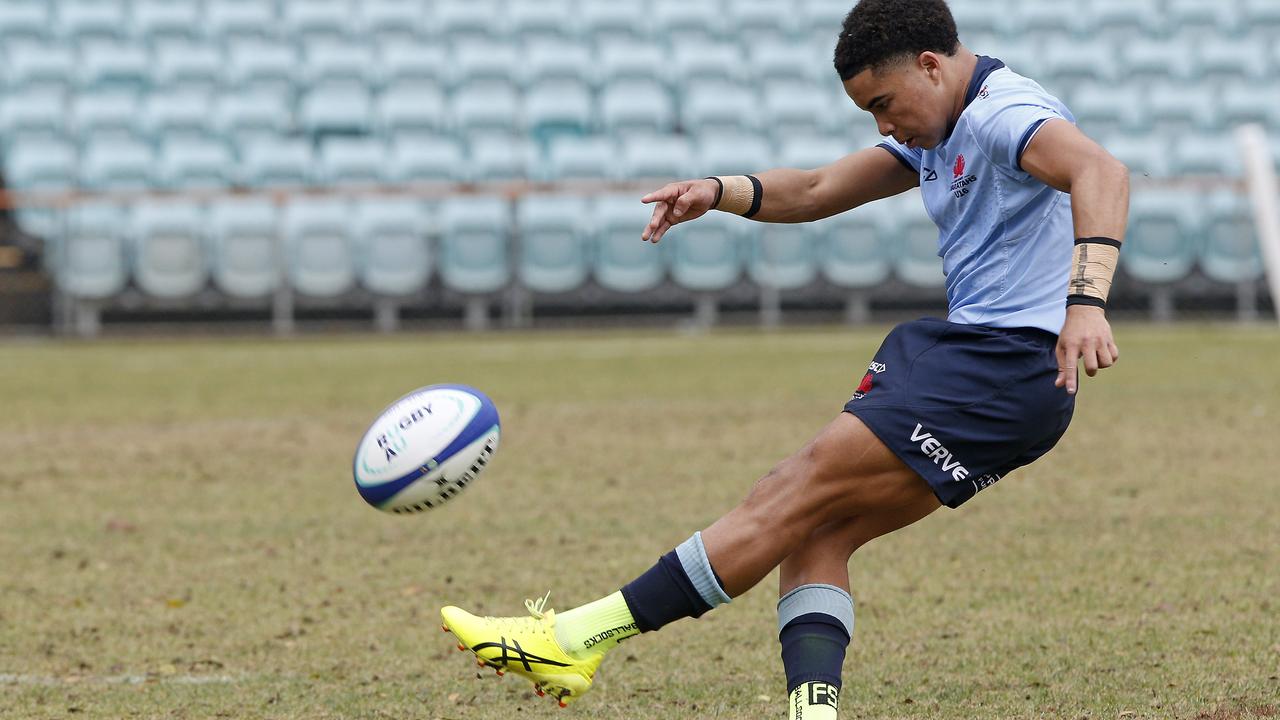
[179,534]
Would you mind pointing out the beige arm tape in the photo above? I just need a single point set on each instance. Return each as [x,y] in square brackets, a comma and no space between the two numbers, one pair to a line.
[1092,269]
[738,195]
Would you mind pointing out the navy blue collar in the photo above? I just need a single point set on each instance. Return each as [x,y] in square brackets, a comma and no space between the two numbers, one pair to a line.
[986,66]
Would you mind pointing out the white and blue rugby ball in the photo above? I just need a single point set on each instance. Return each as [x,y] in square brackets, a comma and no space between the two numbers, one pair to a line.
[425,448]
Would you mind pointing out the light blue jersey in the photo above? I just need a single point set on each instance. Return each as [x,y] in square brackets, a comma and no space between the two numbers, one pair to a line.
[1005,238]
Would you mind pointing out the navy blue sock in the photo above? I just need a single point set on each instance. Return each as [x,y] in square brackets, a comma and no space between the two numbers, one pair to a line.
[813,647]
[663,594]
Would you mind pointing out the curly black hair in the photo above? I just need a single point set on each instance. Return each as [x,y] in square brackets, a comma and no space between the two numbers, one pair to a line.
[879,32]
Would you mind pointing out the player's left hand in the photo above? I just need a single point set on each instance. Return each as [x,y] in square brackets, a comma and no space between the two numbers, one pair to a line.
[1085,335]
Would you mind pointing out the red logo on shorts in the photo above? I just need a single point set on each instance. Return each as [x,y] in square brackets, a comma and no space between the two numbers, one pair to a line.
[959,169]
[865,387]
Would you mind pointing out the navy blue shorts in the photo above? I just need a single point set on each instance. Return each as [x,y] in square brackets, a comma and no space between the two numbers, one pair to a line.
[963,405]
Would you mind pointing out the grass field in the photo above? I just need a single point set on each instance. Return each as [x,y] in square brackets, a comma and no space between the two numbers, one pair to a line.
[179,534]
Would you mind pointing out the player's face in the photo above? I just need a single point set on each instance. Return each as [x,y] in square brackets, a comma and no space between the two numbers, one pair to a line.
[907,100]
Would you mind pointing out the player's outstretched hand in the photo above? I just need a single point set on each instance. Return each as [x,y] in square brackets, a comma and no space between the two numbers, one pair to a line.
[1085,335]
[676,203]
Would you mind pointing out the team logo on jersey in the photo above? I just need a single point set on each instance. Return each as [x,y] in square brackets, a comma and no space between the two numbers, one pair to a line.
[930,174]
[868,380]
[960,185]
[984,93]
[959,168]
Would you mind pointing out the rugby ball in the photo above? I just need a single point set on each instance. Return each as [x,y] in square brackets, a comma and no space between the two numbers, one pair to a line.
[425,448]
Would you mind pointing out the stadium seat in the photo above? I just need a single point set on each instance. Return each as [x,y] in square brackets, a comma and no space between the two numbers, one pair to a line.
[719,108]
[1145,60]
[1207,154]
[622,262]
[1197,19]
[413,64]
[117,164]
[114,66]
[854,252]
[319,258]
[38,113]
[783,63]
[547,63]
[1230,253]
[656,157]
[463,21]
[24,21]
[1262,18]
[272,162]
[1018,54]
[756,22]
[1221,60]
[783,257]
[551,110]
[733,154]
[474,243]
[106,113]
[351,161]
[188,163]
[331,62]
[395,259]
[309,21]
[1069,62]
[821,20]
[708,255]
[486,109]
[91,260]
[42,164]
[1124,21]
[425,159]
[1170,113]
[186,66]
[580,158]
[245,117]
[168,249]
[500,157]
[983,19]
[81,21]
[40,67]
[685,23]
[554,231]
[1042,22]
[262,67]
[810,152]
[1145,155]
[554,21]
[383,22]
[720,63]
[918,262]
[233,22]
[608,24]
[244,237]
[178,112]
[411,110]
[345,109]
[628,63]
[159,21]
[1161,242]
[1250,103]
[484,63]
[796,110]
[1103,109]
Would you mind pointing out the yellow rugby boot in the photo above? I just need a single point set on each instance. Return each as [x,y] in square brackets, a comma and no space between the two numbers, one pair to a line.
[526,646]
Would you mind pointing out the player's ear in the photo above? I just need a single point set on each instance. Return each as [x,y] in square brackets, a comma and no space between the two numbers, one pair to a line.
[931,64]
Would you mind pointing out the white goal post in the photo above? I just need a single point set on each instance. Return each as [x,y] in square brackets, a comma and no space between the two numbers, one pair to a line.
[1264,195]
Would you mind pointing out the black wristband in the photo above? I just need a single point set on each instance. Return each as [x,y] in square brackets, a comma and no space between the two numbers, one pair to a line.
[719,191]
[757,196]
[1086,300]
[1098,241]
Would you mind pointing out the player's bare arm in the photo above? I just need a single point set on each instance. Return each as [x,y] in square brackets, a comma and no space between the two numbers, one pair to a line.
[1067,160]
[789,195]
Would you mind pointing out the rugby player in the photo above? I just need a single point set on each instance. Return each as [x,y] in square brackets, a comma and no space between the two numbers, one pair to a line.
[1031,214]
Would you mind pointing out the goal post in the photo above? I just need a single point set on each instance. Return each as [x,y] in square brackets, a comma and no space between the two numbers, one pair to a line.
[1264,197]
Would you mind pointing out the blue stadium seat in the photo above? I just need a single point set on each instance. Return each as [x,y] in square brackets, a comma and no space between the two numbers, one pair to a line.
[719,107]
[1145,155]
[391,233]
[547,63]
[811,152]
[627,63]
[114,163]
[169,249]
[245,117]
[264,67]
[918,262]
[1223,60]
[470,20]
[1069,62]
[179,112]
[1040,22]
[1104,109]
[106,114]
[1207,154]
[474,244]
[783,257]
[1018,53]
[709,255]
[39,113]
[1160,245]
[81,21]
[622,262]
[486,109]
[1262,18]
[581,158]
[607,24]
[553,21]
[91,259]
[413,64]
[159,21]
[687,22]
[345,109]
[42,164]
[187,66]
[392,21]
[309,21]
[1145,60]
[981,19]
[23,20]
[271,162]
[854,252]
[782,62]
[319,257]
[485,63]
[554,235]
[733,154]
[1170,113]
[331,62]
[238,21]
[425,159]
[656,157]
[820,20]
[1250,103]
[40,67]
[551,110]
[114,66]
[1196,18]
[792,110]
[405,110]
[244,242]
[191,163]
[720,63]
[1124,21]
[1230,253]
[500,157]
[756,22]
[351,160]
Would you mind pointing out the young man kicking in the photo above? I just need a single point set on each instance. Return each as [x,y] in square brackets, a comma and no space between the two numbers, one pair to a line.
[1030,215]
